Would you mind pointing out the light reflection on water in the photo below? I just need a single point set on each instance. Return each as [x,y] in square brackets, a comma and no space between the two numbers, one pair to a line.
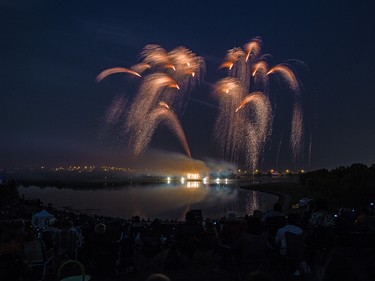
[156,200]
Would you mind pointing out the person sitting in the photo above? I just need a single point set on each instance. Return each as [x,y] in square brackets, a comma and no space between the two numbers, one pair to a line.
[292,222]
[151,239]
[135,229]
[319,226]
[189,235]
[66,240]
[291,226]
[48,235]
[254,225]
[320,216]
[230,238]
[277,211]
[100,245]
[12,263]
[273,220]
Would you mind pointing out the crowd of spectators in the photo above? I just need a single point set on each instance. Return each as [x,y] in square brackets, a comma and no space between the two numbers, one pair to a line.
[109,247]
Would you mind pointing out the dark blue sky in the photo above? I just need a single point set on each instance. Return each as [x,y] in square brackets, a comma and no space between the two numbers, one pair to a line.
[51,51]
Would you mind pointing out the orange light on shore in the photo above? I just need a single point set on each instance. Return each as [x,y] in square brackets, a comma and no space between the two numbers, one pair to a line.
[192,184]
[191,176]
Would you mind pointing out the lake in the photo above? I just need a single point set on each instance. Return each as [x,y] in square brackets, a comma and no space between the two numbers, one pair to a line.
[156,200]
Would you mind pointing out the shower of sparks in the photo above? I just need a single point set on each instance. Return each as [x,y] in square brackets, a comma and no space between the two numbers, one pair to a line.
[142,137]
[167,78]
[228,130]
[116,110]
[244,122]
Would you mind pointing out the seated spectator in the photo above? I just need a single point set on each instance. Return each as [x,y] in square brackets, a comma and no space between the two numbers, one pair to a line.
[319,226]
[136,228]
[151,239]
[320,216]
[277,211]
[189,235]
[12,263]
[99,244]
[291,226]
[230,238]
[273,220]
[210,235]
[48,236]
[67,240]
[254,225]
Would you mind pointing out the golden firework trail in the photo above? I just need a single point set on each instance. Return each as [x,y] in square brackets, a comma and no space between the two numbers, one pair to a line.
[253,48]
[287,74]
[114,70]
[142,138]
[140,67]
[164,104]
[249,98]
[260,68]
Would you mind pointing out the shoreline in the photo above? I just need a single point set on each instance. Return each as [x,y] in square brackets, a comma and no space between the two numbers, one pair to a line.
[285,191]
[284,199]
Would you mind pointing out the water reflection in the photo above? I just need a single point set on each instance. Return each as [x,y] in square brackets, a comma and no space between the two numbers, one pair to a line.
[170,200]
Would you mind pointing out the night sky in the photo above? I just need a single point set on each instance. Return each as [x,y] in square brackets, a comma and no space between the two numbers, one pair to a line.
[52,109]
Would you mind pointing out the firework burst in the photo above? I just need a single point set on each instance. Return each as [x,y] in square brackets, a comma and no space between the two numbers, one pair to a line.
[167,77]
[244,122]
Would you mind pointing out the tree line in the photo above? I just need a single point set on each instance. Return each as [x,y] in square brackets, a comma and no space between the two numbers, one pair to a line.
[343,185]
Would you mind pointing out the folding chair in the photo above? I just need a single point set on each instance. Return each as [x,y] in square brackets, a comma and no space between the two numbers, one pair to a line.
[125,262]
[66,244]
[36,256]
[73,276]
